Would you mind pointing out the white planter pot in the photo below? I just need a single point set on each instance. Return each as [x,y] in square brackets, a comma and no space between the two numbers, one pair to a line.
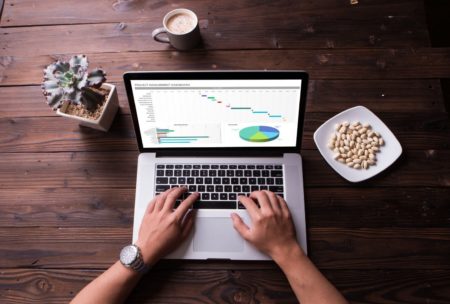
[106,118]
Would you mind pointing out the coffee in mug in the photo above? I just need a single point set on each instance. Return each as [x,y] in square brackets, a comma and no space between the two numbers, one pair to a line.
[181,27]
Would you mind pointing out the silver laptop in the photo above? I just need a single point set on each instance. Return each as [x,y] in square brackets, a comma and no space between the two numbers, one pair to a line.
[222,134]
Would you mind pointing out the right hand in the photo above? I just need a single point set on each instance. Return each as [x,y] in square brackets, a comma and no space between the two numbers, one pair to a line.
[272,230]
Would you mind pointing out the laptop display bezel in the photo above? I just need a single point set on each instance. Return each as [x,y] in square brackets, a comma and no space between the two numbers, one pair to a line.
[218,75]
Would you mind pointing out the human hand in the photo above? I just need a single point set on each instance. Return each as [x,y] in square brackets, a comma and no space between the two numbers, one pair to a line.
[163,228]
[272,230]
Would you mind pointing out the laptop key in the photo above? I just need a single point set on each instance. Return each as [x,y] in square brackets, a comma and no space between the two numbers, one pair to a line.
[192,188]
[252,181]
[263,187]
[160,166]
[276,173]
[237,188]
[187,166]
[241,206]
[159,172]
[210,188]
[269,167]
[261,180]
[212,173]
[173,180]
[256,173]
[208,180]
[235,180]
[250,166]
[223,196]
[246,188]
[278,167]
[221,173]
[205,166]
[223,166]
[228,188]
[195,173]
[169,166]
[260,167]
[270,181]
[248,173]
[233,167]
[225,180]
[214,196]
[205,196]
[216,180]
[254,188]
[186,173]
[196,166]
[191,180]
[162,188]
[162,180]
[276,188]
[241,167]
[199,180]
[201,188]
[203,172]
[239,173]
[182,180]
[230,173]
[243,181]
[232,196]
[169,172]
[178,166]
[265,173]
[279,181]
[219,188]
[214,166]
[177,173]
[214,205]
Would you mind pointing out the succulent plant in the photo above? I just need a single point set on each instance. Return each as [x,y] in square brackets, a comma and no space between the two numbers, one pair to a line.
[70,81]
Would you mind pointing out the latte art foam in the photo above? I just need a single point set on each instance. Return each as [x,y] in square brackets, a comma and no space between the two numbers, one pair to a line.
[180,23]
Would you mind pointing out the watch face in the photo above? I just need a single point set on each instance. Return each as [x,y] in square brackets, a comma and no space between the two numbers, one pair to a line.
[128,254]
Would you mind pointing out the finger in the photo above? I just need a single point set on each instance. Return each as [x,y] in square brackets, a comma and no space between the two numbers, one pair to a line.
[161,198]
[172,197]
[250,205]
[240,226]
[187,225]
[262,199]
[151,205]
[284,207]
[185,205]
[273,199]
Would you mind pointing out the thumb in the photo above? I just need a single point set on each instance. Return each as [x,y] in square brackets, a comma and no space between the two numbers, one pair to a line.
[240,226]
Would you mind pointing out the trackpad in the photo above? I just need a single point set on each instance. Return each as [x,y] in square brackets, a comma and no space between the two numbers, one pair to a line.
[216,234]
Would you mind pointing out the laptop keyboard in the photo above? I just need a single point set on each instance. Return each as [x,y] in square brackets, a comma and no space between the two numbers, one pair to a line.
[219,185]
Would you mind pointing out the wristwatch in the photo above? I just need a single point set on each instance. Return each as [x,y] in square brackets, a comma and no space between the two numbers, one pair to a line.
[131,257]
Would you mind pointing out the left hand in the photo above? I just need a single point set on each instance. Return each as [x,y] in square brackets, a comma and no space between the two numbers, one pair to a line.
[163,228]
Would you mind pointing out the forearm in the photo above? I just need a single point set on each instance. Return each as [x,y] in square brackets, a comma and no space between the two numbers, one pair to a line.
[113,286]
[309,285]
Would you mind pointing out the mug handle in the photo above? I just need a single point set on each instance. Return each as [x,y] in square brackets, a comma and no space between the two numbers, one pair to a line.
[158,31]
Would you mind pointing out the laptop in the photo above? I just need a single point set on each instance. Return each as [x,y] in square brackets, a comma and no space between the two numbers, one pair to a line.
[222,134]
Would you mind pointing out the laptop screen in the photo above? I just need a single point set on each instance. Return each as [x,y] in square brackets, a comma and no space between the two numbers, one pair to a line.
[219,113]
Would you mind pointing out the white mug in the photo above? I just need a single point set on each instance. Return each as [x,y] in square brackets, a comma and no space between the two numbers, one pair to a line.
[186,36]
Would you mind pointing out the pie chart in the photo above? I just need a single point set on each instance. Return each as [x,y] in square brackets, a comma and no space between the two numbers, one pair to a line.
[259,134]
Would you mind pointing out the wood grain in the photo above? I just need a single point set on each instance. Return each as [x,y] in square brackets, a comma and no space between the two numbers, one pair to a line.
[56,134]
[26,12]
[235,286]
[118,170]
[330,248]
[331,207]
[321,64]
[298,30]
[405,96]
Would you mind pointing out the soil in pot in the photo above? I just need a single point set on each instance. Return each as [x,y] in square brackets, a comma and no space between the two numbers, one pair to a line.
[81,111]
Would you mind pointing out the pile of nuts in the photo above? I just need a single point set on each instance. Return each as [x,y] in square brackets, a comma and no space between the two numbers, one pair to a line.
[355,144]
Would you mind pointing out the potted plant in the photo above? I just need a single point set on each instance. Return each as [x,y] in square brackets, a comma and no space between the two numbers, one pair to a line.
[79,95]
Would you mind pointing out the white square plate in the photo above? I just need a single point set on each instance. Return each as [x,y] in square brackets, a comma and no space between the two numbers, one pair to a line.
[387,155]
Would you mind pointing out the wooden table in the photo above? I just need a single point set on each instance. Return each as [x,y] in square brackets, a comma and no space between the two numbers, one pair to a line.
[67,193]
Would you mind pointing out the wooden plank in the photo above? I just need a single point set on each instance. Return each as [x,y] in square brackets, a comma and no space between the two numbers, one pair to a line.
[209,286]
[335,29]
[26,12]
[322,64]
[331,207]
[118,170]
[330,248]
[413,95]
[55,134]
